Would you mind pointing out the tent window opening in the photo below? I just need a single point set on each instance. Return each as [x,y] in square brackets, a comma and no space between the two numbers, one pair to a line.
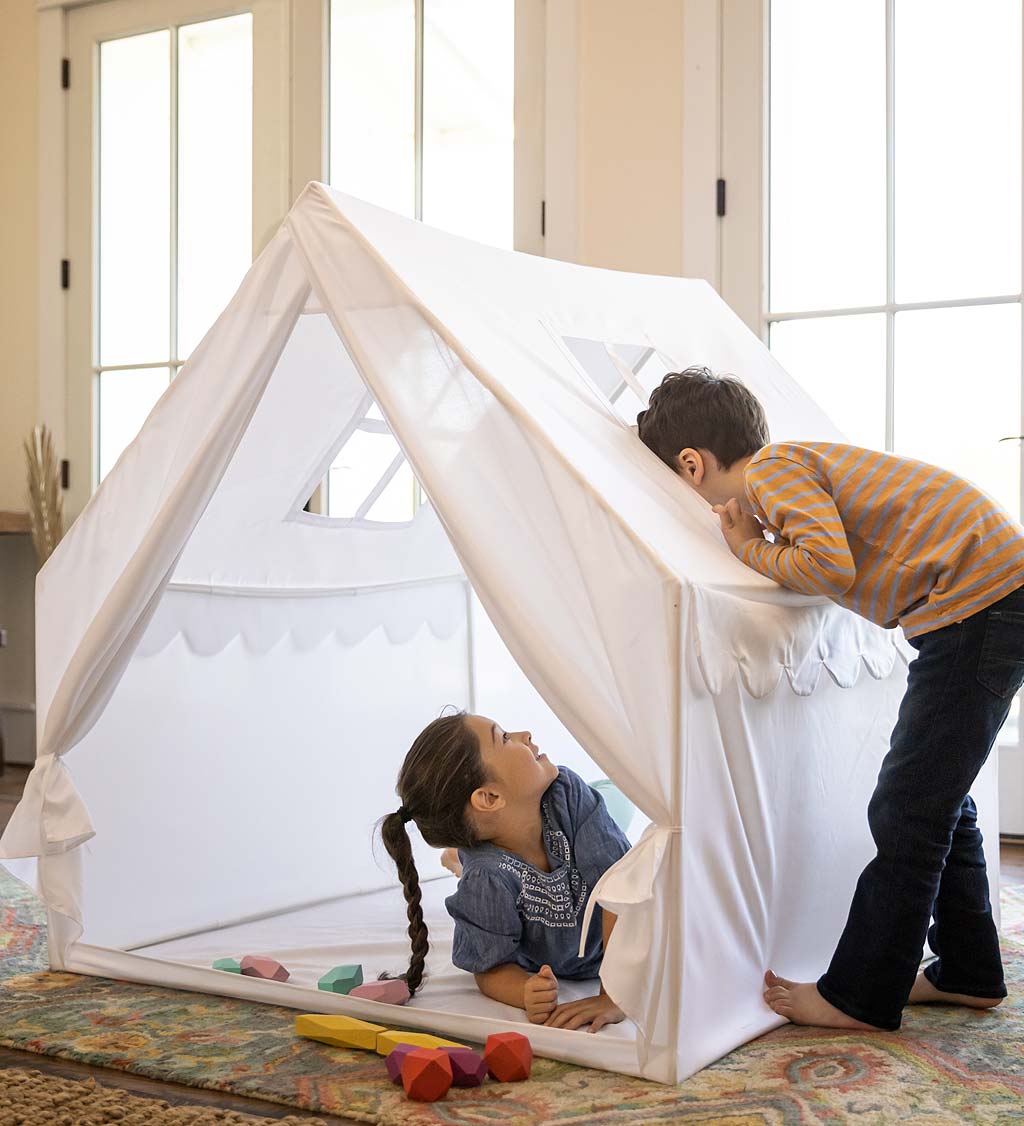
[370,478]
[626,374]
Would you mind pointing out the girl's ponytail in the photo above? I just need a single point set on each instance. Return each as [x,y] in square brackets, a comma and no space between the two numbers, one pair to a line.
[437,779]
[396,841]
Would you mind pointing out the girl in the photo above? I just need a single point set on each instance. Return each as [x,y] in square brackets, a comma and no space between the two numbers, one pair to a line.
[533,839]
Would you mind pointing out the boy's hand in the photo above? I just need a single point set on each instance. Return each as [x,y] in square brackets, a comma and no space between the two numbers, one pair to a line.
[595,1011]
[540,995]
[738,527]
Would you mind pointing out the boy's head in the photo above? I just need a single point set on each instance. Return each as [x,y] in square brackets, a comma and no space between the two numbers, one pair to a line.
[701,425]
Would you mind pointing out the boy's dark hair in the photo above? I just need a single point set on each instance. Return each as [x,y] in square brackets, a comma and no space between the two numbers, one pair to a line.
[442,769]
[703,411]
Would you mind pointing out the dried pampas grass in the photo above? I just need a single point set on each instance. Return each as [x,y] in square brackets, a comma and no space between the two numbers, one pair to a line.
[45,501]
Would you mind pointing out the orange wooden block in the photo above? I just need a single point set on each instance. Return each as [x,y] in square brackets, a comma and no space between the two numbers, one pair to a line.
[426,1074]
[509,1057]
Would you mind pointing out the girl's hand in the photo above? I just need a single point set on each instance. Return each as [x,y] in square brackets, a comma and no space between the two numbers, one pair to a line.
[540,995]
[596,1011]
[738,527]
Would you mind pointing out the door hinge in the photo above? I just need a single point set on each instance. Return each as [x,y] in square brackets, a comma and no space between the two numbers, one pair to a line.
[65,74]
[543,217]
[720,198]
[65,474]
[65,273]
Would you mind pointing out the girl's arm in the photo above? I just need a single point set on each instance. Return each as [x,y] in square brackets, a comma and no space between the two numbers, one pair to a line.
[512,985]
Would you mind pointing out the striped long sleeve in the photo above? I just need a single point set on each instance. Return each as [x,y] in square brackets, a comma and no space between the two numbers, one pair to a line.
[815,558]
[898,541]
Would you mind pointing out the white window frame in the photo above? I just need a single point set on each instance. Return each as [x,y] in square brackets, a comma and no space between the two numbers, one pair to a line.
[289,149]
[727,61]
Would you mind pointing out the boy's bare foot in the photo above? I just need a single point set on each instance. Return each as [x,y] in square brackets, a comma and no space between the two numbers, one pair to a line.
[801,1003]
[924,991]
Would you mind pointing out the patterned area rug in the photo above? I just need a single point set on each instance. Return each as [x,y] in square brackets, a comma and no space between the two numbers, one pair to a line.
[945,1066]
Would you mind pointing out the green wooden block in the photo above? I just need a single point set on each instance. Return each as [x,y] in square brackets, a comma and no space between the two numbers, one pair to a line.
[341,979]
[230,965]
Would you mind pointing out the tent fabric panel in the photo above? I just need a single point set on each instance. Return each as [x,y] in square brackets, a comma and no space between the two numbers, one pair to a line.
[261,775]
[254,534]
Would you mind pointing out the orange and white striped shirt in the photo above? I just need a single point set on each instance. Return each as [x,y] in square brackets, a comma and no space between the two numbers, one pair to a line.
[895,540]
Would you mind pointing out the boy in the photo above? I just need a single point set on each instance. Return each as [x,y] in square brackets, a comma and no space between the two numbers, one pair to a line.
[901,543]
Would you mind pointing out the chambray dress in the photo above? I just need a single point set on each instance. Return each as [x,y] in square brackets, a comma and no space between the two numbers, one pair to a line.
[506,910]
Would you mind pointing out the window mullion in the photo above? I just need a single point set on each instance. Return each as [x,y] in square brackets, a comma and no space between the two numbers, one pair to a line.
[173,234]
[890,220]
[418,111]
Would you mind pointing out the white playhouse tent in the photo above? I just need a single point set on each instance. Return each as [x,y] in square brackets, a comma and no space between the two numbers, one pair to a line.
[227,684]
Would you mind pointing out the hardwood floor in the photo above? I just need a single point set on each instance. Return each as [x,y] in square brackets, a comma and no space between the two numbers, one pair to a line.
[11,783]
[175,1093]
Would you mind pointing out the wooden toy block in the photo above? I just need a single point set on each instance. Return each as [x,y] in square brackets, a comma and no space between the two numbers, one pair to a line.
[339,1031]
[469,1068]
[392,991]
[394,1061]
[426,1074]
[342,979]
[255,965]
[509,1057]
[230,965]
[388,1040]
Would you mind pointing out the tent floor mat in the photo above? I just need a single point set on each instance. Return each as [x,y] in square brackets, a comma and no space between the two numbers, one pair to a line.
[946,1065]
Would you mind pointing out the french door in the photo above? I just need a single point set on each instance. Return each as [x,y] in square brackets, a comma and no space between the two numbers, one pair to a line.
[178,173]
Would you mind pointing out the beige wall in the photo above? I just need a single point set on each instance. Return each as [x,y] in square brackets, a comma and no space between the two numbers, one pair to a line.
[18,235]
[19,384]
[631,128]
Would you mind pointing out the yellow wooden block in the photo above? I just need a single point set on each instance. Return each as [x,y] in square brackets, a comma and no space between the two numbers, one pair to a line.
[388,1041]
[338,1031]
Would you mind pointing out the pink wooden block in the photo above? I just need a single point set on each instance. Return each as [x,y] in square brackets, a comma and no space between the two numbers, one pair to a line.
[469,1069]
[390,992]
[255,965]
[394,1061]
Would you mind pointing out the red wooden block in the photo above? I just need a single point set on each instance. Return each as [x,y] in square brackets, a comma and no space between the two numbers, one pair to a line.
[426,1074]
[469,1069]
[395,1060]
[509,1056]
[254,965]
[392,991]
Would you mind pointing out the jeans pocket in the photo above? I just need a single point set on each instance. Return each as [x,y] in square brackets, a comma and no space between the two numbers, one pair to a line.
[1001,664]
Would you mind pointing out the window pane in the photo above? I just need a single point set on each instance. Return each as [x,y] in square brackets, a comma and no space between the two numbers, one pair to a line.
[827,169]
[214,170]
[135,207]
[126,398]
[373,101]
[362,462]
[958,149]
[958,392]
[840,362]
[468,75]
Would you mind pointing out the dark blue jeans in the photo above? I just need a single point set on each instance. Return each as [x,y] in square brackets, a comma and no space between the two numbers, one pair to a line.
[930,862]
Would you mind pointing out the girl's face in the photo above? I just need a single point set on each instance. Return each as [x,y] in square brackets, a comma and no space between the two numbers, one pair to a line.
[512,759]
